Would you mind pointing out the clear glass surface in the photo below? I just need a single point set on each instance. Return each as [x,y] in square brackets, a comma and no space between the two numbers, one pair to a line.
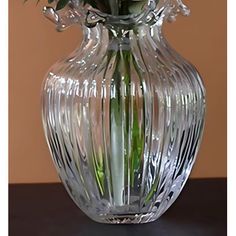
[123,115]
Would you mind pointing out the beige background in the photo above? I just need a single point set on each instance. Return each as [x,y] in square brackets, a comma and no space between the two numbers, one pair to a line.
[35,46]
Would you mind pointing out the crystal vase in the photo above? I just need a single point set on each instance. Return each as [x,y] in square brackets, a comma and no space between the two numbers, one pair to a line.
[123,115]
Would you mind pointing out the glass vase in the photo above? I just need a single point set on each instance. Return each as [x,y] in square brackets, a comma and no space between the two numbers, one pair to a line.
[123,114]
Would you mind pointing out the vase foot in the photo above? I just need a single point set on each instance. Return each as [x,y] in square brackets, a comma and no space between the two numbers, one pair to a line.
[139,218]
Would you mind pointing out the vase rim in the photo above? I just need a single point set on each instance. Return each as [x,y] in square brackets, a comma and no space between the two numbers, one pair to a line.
[152,11]
[126,21]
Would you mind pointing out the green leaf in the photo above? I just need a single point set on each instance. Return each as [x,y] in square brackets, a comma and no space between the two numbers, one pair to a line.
[61,4]
[50,1]
[137,6]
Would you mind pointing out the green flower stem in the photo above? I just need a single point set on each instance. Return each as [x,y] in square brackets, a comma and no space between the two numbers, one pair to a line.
[117,131]
[127,135]
[98,166]
[127,131]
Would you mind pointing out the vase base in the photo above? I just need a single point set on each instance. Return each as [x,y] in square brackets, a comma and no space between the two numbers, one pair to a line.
[139,218]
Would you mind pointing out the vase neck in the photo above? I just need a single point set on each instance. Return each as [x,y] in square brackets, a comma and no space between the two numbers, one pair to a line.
[115,40]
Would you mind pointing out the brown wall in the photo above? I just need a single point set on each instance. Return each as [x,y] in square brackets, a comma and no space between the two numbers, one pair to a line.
[35,46]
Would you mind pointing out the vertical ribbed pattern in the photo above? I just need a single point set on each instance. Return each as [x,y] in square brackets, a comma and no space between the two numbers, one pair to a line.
[123,117]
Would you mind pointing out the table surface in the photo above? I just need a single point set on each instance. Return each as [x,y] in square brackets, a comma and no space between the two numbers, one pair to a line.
[47,210]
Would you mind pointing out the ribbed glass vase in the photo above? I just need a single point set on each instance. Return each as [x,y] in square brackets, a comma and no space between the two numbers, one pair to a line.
[123,114]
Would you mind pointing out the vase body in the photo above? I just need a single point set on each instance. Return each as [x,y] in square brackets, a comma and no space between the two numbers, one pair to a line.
[123,117]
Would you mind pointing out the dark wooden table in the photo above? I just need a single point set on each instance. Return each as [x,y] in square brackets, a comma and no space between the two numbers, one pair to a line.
[47,210]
